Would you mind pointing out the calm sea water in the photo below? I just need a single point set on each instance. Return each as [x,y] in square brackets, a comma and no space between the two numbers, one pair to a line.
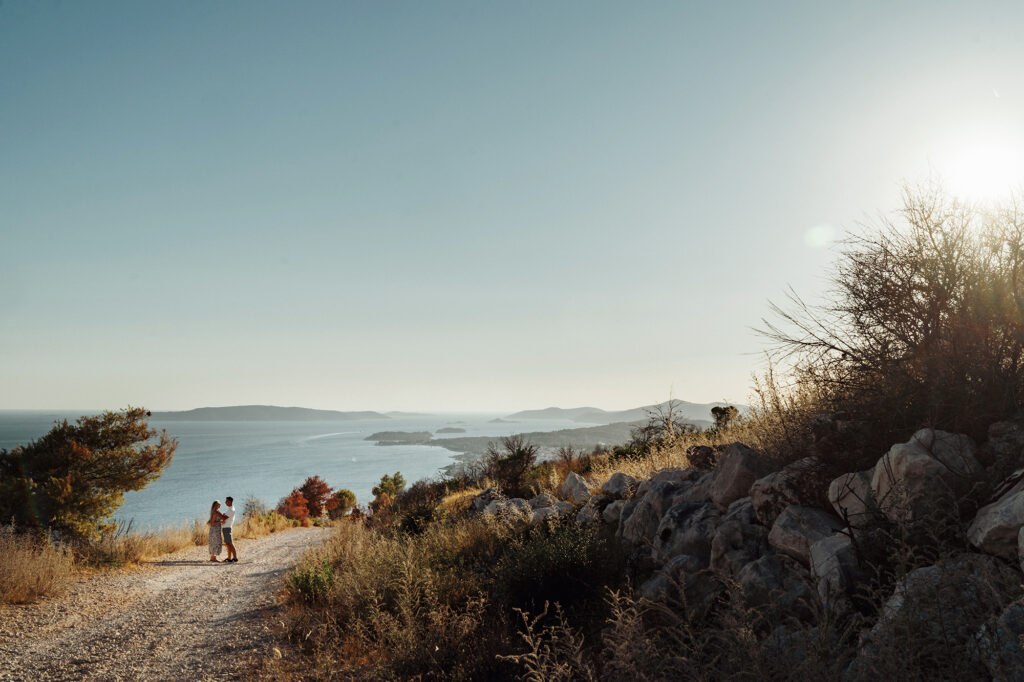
[268,459]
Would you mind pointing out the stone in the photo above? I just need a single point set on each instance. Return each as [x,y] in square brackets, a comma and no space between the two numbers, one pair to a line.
[996,527]
[699,586]
[697,491]
[1006,440]
[835,568]
[1020,549]
[481,500]
[542,515]
[737,543]
[564,508]
[575,489]
[738,468]
[797,528]
[512,511]
[611,513]
[671,474]
[777,584]
[640,524]
[852,498]
[803,482]
[741,510]
[619,486]
[1000,644]
[590,513]
[543,500]
[687,528]
[702,456]
[919,477]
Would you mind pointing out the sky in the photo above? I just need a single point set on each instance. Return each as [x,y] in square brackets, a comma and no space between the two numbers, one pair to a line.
[458,206]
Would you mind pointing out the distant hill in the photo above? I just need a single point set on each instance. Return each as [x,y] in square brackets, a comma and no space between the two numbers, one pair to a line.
[699,412]
[584,438]
[257,413]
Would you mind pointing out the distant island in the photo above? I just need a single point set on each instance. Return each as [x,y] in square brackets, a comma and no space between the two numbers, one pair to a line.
[257,413]
[401,437]
[690,412]
[451,429]
[499,420]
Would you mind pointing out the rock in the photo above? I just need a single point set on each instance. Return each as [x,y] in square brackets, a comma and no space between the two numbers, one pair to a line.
[687,528]
[797,528]
[639,525]
[575,489]
[852,498]
[949,600]
[543,500]
[699,586]
[590,513]
[803,483]
[835,568]
[1006,440]
[737,543]
[481,500]
[1020,549]
[741,510]
[777,584]
[702,456]
[1000,643]
[916,478]
[996,527]
[738,468]
[672,474]
[564,508]
[619,486]
[514,510]
[697,491]
[543,514]
[611,513]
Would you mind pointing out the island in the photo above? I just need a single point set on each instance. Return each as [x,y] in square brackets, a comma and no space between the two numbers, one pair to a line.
[451,429]
[258,413]
[401,437]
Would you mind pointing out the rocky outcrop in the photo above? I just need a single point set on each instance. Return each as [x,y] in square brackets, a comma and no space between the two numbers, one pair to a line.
[738,540]
[916,478]
[699,587]
[797,528]
[480,502]
[543,500]
[802,483]
[738,468]
[640,521]
[852,498]
[996,527]
[513,510]
[671,475]
[687,528]
[835,569]
[619,486]
[575,489]
[613,512]
[777,584]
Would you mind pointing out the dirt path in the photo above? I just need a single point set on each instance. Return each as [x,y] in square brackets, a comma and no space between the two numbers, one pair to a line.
[179,617]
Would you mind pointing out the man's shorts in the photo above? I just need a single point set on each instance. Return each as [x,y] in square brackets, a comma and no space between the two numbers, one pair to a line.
[226,532]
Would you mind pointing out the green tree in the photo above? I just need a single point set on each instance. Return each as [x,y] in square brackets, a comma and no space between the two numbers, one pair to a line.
[511,462]
[389,485]
[724,416]
[74,478]
[344,501]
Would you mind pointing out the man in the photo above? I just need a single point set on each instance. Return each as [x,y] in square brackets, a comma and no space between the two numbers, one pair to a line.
[229,511]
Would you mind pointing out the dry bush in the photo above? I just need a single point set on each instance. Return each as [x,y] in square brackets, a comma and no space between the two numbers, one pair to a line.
[30,567]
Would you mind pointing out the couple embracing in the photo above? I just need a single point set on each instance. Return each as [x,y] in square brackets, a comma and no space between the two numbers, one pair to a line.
[220,524]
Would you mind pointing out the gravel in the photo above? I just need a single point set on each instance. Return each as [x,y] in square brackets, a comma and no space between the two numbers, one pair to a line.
[179,617]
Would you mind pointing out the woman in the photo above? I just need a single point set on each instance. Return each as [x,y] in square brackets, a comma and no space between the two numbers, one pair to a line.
[216,518]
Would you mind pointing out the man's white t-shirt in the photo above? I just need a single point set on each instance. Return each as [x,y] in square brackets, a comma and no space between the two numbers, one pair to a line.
[230,513]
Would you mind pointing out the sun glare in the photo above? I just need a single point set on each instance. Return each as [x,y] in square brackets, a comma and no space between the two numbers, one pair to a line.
[984,172]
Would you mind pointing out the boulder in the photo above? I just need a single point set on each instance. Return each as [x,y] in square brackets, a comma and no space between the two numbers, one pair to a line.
[1001,644]
[639,523]
[612,512]
[697,491]
[916,478]
[778,584]
[835,568]
[699,586]
[797,528]
[851,496]
[619,486]
[575,489]
[996,527]
[671,474]
[702,456]
[483,499]
[543,514]
[1020,549]
[738,468]
[687,528]
[543,500]
[737,543]
[741,510]
[803,482]
[1005,441]
[590,513]
[564,508]
[512,511]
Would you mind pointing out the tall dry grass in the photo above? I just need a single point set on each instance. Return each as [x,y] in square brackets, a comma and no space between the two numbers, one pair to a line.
[125,546]
[30,567]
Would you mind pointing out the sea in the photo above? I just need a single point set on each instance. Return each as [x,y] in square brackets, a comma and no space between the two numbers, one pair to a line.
[267,459]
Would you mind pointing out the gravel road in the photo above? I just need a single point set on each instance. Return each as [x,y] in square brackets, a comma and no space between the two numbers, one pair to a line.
[179,617]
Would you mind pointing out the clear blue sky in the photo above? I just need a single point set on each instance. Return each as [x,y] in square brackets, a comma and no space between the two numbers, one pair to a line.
[454,206]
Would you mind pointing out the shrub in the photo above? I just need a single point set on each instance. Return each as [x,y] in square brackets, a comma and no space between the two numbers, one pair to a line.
[925,324]
[294,506]
[319,496]
[73,479]
[343,502]
[509,463]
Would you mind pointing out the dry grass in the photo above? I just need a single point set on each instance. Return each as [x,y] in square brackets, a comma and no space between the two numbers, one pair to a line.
[125,547]
[253,527]
[30,568]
